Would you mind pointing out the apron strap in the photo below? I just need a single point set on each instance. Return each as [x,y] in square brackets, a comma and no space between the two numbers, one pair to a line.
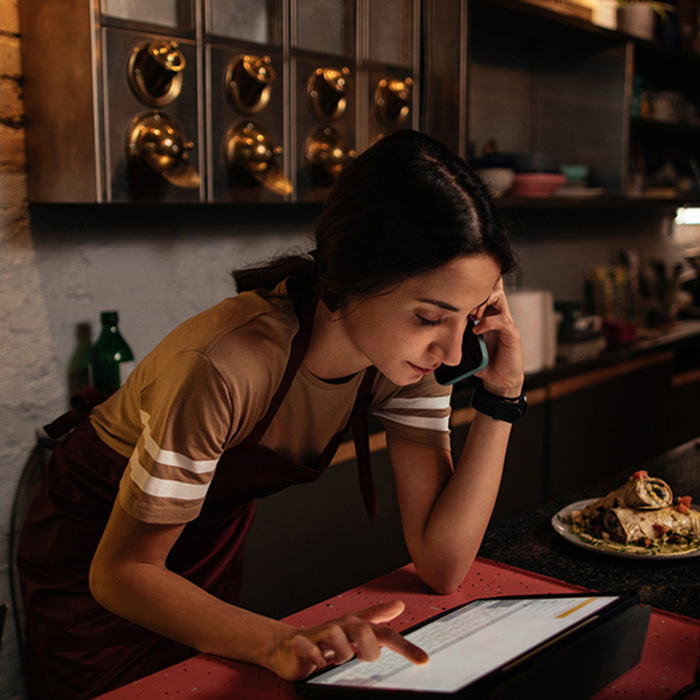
[360,436]
[82,404]
[305,314]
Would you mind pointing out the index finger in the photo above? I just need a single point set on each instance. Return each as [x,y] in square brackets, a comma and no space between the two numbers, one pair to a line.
[393,640]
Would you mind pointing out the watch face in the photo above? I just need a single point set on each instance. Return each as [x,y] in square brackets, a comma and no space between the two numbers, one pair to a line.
[499,407]
[512,411]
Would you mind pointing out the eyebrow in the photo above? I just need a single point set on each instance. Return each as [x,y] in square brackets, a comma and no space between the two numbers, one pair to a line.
[441,304]
[449,307]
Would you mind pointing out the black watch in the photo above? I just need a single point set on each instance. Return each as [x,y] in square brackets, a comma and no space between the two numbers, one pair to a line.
[502,408]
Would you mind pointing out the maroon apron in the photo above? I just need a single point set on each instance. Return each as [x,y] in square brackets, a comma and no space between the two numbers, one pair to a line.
[76,649]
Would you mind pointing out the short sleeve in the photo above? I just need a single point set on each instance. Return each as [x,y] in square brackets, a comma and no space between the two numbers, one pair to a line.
[418,413]
[186,418]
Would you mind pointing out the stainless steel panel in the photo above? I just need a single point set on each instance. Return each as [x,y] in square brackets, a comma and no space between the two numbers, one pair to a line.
[124,181]
[162,12]
[255,21]
[324,26]
[391,25]
[225,183]
[444,72]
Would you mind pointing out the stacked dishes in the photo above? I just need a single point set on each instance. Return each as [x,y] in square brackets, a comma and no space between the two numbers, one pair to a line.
[537,184]
[537,175]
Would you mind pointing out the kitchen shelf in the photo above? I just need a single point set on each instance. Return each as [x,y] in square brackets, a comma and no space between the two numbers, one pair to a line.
[657,127]
[602,202]
[535,80]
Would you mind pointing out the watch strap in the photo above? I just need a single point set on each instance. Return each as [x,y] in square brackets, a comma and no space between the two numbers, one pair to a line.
[505,408]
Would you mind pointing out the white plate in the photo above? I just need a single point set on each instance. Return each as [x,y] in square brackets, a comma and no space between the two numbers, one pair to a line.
[616,549]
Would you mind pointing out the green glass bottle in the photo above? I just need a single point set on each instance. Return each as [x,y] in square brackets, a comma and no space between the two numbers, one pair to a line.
[111,359]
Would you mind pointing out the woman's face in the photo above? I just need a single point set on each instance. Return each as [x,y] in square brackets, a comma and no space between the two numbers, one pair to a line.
[418,325]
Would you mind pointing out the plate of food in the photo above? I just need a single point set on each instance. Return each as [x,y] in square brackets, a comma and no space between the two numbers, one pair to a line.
[640,519]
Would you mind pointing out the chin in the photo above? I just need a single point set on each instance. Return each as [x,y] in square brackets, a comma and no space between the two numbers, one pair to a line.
[404,378]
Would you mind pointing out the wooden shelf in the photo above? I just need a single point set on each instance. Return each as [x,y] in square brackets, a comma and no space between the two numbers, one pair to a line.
[603,202]
[644,124]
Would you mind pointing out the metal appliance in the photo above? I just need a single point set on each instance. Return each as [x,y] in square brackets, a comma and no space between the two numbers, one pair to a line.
[210,100]
[247,78]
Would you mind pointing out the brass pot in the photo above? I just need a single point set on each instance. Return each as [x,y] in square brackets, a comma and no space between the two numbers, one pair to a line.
[326,90]
[392,101]
[158,144]
[327,154]
[249,151]
[155,72]
[248,83]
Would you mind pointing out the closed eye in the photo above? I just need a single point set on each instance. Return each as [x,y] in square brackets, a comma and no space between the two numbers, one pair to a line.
[427,322]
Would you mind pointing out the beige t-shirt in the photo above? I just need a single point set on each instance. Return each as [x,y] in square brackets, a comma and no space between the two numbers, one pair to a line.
[208,383]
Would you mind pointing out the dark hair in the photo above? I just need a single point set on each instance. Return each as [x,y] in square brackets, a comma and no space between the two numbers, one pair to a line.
[405,206]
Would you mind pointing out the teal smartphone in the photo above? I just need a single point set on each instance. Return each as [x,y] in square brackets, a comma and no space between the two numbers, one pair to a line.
[475,357]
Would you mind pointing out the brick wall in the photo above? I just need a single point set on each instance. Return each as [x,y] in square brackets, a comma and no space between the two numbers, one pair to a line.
[11,109]
[27,369]
[13,218]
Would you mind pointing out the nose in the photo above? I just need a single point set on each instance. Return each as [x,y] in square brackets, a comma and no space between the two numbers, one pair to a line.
[449,346]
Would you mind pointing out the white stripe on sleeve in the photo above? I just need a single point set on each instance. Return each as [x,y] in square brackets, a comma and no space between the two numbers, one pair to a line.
[416,421]
[173,459]
[419,403]
[164,488]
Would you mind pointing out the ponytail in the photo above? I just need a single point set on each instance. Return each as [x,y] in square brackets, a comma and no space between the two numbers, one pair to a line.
[301,267]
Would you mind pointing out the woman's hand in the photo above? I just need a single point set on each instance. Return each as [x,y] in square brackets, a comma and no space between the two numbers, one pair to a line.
[504,374]
[356,634]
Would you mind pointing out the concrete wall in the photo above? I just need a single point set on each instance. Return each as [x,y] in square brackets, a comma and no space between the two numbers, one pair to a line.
[61,265]
[27,367]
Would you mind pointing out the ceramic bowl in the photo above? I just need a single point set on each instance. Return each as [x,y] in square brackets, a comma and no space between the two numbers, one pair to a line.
[575,173]
[498,180]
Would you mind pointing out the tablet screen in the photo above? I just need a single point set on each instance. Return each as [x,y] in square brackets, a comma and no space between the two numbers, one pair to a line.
[468,643]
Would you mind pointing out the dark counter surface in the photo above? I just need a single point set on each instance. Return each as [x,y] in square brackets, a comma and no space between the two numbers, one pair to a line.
[528,541]
[682,336]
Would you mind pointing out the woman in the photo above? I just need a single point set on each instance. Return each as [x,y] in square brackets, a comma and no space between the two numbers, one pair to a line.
[255,394]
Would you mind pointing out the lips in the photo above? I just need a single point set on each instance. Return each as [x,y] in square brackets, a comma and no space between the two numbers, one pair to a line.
[423,370]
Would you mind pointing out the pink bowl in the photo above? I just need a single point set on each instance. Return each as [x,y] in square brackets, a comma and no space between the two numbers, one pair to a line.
[536,184]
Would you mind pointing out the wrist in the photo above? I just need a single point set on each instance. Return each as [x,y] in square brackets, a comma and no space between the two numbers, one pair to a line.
[513,391]
[274,633]
[508,409]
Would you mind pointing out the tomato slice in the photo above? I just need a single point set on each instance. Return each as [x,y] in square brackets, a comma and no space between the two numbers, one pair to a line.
[683,505]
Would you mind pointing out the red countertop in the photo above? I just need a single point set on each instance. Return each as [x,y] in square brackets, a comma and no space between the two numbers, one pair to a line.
[668,661]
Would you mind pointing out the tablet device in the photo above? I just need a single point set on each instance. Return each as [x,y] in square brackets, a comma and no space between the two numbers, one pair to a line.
[495,643]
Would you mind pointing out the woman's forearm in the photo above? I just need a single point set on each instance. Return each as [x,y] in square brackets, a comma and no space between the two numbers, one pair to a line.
[457,523]
[170,605]
[129,577]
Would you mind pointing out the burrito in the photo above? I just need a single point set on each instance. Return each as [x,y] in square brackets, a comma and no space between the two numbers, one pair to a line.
[640,491]
[645,526]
